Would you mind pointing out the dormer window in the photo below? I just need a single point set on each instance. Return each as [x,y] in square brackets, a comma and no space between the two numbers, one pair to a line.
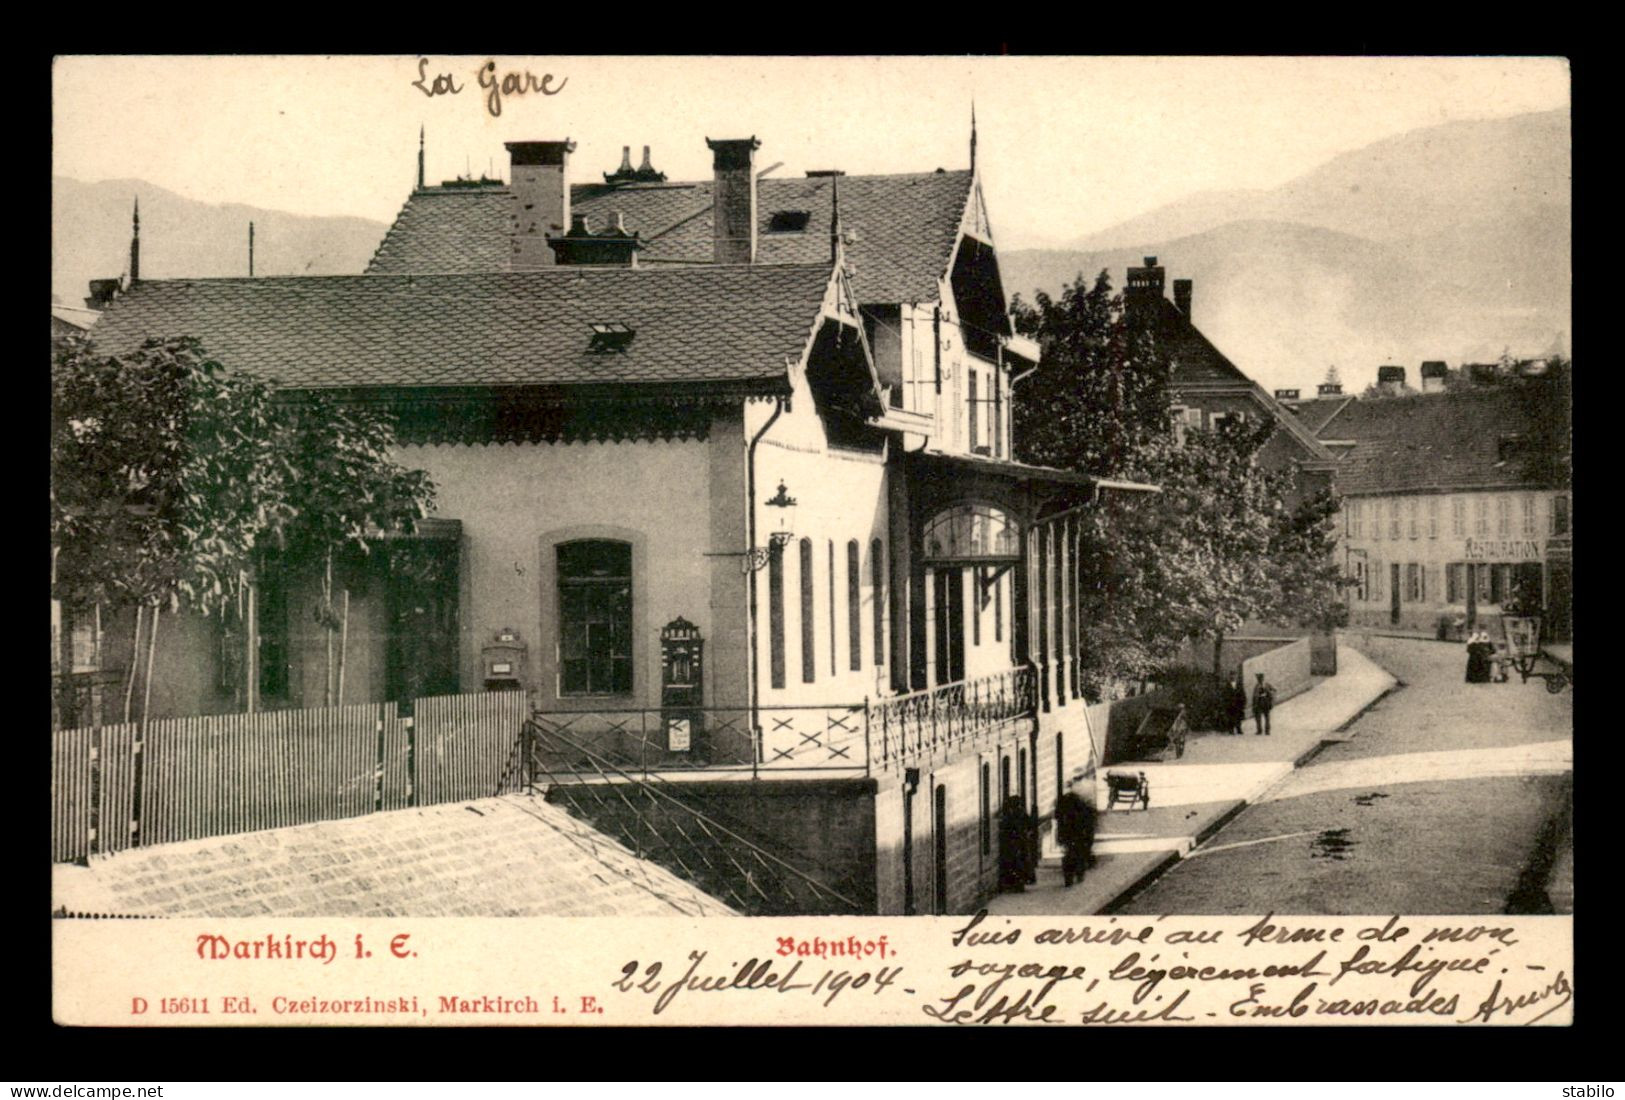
[609,336]
[789,221]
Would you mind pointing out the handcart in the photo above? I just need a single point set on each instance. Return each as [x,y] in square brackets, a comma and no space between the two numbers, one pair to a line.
[1130,787]
[1522,652]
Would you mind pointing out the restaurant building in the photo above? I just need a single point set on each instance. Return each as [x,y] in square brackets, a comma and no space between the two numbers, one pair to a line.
[1445,522]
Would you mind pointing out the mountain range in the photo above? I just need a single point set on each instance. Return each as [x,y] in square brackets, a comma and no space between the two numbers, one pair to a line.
[1450,242]
[183,238]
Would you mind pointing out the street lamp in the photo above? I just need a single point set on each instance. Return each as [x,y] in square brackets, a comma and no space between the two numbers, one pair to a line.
[783,531]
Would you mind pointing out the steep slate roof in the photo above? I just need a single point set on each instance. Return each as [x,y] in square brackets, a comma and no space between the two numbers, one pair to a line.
[1198,363]
[901,229]
[512,856]
[713,324]
[1436,441]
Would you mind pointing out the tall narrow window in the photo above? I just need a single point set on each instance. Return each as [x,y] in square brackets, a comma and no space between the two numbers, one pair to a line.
[975,436]
[998,607]
[1481,516]
[1393,519]
[595,618]
[877,567]
[775,613]
[832,607]
[987,809]
[854,605]
[1458,517]
[1529,515]
[1560,515]
[978,597]
[1410,517]
[1433,517]
[1503,516]
[809,656]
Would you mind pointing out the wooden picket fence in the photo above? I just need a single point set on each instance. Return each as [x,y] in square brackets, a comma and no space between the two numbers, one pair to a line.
[115,787]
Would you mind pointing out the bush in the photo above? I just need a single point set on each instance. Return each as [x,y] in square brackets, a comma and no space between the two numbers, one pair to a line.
[1197,690]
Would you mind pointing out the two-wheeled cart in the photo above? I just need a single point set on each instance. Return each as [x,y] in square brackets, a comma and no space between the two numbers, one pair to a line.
[1521,651]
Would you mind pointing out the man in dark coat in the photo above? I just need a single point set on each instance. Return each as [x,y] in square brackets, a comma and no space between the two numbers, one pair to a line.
[1075,829]
[1015,845]
[1263,703]
[1235,705]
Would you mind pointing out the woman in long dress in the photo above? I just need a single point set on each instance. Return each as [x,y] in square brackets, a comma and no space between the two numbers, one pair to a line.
[1479,648]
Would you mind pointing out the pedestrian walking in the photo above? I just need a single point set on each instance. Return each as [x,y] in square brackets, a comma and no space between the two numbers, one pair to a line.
[1235,705]
[1263,703]
[1015,846]
[1075,829]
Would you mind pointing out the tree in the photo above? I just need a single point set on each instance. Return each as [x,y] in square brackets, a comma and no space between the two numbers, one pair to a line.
[343,492]
[171,475]
[1216,548]
[164,478]
[1101,393]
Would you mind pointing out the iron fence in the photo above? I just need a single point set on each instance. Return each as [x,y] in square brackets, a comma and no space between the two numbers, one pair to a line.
[658,819]
[923,723]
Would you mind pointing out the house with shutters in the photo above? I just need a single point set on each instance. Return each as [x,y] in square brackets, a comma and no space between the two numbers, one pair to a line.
[1446,521]
[724,483]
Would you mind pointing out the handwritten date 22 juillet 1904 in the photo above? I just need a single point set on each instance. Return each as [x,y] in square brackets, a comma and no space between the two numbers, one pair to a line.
[1398,970]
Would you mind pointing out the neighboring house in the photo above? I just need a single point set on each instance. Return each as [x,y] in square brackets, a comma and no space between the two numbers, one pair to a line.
[1206,388]
[1443,522]
[765,417]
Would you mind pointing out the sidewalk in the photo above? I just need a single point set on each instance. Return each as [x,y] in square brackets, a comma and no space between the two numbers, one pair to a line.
[1194,796]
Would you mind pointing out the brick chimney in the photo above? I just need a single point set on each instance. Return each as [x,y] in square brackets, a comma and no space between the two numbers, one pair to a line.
[1182,296]
[1391,379]
[1142,292]
[540,192]
[1433,376]
[733,217]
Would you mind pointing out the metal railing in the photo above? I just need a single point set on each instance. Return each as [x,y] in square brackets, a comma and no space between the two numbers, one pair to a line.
[650,739]
[922,723]
[858,737]
[658,820]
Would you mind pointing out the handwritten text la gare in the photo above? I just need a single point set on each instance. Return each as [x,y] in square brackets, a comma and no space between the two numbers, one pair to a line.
[496,85]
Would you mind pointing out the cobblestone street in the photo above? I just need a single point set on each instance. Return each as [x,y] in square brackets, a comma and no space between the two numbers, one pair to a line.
[1437,804]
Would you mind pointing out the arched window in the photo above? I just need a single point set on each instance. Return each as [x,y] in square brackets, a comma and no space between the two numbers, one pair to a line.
[595,617]
[971,533]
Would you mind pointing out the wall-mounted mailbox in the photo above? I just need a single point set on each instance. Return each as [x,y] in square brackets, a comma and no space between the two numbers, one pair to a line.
[504,661]
[682,688]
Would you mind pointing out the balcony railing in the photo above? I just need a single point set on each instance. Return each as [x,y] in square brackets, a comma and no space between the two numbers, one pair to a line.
[923,723]
[876,735]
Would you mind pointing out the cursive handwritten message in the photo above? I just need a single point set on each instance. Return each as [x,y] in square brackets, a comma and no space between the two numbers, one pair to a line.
[1303,970]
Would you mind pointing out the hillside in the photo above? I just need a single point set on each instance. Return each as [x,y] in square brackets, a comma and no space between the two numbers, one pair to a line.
[90,237]
[1447,243]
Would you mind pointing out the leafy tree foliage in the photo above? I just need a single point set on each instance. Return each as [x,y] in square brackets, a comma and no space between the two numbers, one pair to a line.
[1216,548]
[171,473]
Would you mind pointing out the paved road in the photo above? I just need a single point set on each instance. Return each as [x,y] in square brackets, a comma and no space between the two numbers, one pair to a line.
[1437,804]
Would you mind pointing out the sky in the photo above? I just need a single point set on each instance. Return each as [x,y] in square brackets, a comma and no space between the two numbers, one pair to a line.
[1067,146]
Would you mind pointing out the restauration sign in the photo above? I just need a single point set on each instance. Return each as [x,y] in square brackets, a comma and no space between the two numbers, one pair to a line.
[1503,550]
